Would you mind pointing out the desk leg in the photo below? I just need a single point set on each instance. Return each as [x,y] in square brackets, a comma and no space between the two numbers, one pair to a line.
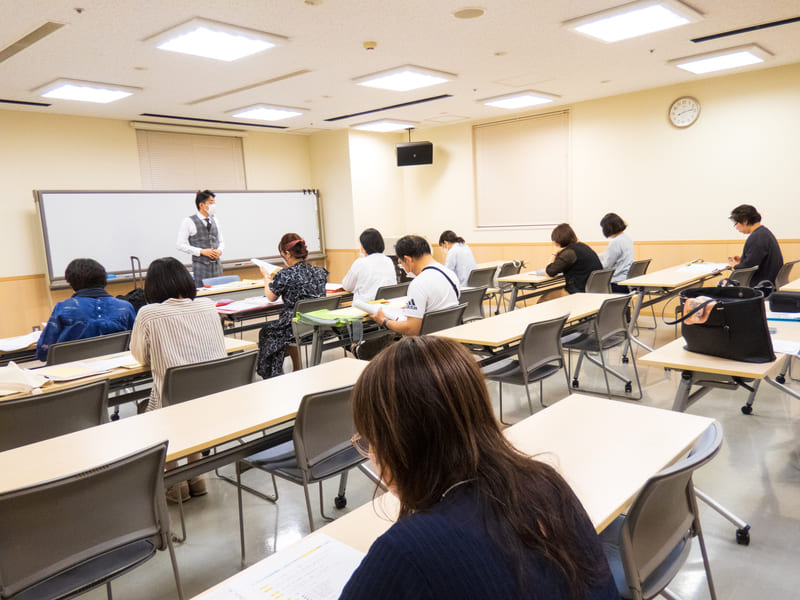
[637,308]
[681,402]
[316,346]
[751,397]
[512,302]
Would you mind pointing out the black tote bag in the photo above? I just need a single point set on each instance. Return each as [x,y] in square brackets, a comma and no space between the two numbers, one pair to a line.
[736,327]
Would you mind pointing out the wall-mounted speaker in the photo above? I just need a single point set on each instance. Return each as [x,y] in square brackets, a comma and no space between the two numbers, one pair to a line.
[414,153]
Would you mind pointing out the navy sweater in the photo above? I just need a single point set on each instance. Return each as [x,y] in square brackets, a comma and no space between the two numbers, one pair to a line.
[762,250]
[446,552]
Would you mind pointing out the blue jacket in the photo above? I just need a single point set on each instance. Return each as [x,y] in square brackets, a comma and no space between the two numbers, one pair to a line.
[88,313]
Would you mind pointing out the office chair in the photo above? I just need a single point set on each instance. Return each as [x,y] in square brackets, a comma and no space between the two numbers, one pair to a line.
[436,320]
[320,449]
[647,547]
[538,357]
[222,279]
[637,269]
[64,537]
[43,416]
[599,281]
[64,352]
[511,267]
[484,276]
[369,348]
[742,277]
[473,298]
[387,292]
[784,274]
[303,333]
[608,330]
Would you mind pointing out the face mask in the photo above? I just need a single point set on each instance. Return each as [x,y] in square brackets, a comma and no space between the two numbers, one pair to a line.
[211,209]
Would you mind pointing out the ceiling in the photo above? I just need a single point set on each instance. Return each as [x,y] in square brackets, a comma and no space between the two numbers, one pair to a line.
[515,45]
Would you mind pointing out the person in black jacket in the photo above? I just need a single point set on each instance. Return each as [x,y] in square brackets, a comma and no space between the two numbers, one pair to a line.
[572,258]
[761,248]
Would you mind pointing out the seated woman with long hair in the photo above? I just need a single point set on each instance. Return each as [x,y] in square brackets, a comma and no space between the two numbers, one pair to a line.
[478,519]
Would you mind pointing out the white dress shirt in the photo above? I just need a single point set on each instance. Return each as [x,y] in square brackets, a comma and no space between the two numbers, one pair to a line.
[367,274]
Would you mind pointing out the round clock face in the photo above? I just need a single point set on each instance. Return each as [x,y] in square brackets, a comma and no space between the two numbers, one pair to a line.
[684,111]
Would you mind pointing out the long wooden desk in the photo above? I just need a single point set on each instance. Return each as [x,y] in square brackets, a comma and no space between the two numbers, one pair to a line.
[238,290]
[660,285]
[606,450]
[710,372]
[121,377]
[496,335]
[190,427]
[792,286]
[537,284]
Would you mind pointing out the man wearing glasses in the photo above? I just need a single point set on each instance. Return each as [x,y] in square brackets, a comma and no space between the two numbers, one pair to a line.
[761,248]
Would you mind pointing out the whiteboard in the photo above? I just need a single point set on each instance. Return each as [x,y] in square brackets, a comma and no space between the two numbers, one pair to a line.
[112,226]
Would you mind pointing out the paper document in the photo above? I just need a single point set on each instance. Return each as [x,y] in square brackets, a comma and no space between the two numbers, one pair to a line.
[248,304]
[316,568]
[20,342]
[334,287]
[703,268]
[268,267]
[785,346]
[394,311]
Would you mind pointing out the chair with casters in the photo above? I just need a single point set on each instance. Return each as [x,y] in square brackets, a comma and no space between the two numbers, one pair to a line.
[64,352]
[320,449]
[473,298]
[648,546]
[538,357]
[387,292]
[483,276]
[436,320]
[637,269]
[303,332]
[742,277]
[221,280]
[599,281]
[784,274]
[370,347]
[511,267]
[609,329]
[187,382]
[69,535]
[43,416]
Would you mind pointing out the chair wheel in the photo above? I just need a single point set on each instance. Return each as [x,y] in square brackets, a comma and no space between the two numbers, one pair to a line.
[575,383]
[340,501]
[625,359]
[115,417]
[746,409]
[628,387]
[780,379]
[743,536]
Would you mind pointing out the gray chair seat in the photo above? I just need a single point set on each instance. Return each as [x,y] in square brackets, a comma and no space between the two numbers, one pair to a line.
[587,341]
[287,467]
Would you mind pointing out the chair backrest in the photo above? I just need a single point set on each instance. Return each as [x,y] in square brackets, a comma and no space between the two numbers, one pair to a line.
[611,318]
[43,416]
[482,276]
[445,318]
[64,352]
[188,382]
[638,268]
[473,298]
[541,343]
[511,267]
[599,281]
[386,292]
[221,279]
[369,348]
[742,276]
[308,305]
[52,527]
[322,431]
[664,513]
[784,274]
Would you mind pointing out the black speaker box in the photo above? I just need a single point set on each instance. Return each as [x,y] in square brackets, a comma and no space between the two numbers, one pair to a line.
[414,153]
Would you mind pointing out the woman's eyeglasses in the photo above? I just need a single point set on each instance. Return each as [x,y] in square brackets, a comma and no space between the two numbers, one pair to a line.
[361,445]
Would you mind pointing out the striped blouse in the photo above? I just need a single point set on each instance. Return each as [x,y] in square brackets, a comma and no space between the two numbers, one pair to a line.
[179,331]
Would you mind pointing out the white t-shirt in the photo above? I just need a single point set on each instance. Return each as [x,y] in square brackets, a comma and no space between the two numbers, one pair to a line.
[367,274]
[431,290]
[460,261]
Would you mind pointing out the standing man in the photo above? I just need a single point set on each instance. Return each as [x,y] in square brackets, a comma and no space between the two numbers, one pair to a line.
[434,286]
[761,248]
[201,236]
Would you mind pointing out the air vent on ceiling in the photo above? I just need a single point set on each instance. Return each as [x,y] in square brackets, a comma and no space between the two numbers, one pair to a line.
[401,105]
[29,40]
[23,102]
[198,120]
[250,87]
[716,36]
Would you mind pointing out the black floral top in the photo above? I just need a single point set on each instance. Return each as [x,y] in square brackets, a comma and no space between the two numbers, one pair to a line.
[298,282]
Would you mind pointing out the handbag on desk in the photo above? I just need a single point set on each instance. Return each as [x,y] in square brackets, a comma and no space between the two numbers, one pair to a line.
[736,326]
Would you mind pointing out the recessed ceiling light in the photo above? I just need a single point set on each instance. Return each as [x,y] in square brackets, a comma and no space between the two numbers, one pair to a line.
[519,99]
[720,60]
[405,78]
[85,91]
[634,19]
[384,125]
[471,12]
[264,112]
[210,39]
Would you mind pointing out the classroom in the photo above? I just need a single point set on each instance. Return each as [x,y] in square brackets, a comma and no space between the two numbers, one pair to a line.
[675,187]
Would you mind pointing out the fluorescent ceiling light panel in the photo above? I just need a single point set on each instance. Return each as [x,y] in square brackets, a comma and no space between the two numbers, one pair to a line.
[85,91]
[405,78]
[519,99]
[263,112]
[210,39]
[634,19]
[731,58]
[384,125]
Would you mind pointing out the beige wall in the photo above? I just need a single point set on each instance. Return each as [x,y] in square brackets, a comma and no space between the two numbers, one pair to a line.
[330,173]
